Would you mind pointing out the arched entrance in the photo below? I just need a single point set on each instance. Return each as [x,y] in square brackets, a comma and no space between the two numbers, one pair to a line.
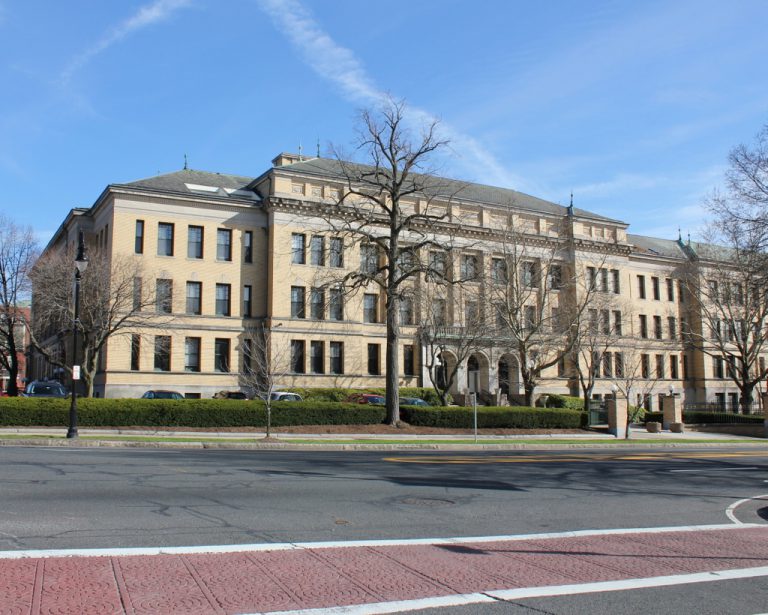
[477,373]
[509,375]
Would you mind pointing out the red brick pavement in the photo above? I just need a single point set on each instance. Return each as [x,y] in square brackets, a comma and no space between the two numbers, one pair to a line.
[313,577]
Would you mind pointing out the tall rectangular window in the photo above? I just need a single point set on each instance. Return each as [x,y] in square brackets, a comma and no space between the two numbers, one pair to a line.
[685,367]
[641,286]
[221,354]
[162,353]
[656,289]
[408,362]
[223,300]
[247,300]
[165,239]
[672,326]
[247,356]
[681,291]
[670,289]
[499,271]
[592,278]
[660,366]
[298,302]
[317,357]
[438,309]
[657,333]
[406,311]
[469,268]
[194,297]
[297,357]
[607,365]
[164,296]
[317,250]
[373,359]
[337,357]
[530,275]
[224,244]
[298,249]
[370,308]
[717,367]
[616,281]
[248,246]
[194,241]
[138,299]
[673,370]
[135,352]
[617,323]
[317,303]
[369,259]
[643,326]
[645,366]
[618,361]
[192,354]
[336,304]
[555,277]
[337,252]
[438,265]
[138,242]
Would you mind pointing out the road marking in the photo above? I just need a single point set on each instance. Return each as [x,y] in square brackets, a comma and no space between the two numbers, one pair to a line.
[546,458]
[708,470]
[396,542]
[533,592]
[730,511]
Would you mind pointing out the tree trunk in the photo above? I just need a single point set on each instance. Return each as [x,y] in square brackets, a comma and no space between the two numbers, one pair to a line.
[13,376]
[392,370]
[529,388]
[268,409]
[746,398]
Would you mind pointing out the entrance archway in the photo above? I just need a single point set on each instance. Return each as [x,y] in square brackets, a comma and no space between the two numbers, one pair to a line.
[509,375]
[477,373]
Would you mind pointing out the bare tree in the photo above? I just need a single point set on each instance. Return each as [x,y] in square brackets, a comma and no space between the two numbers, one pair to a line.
[264,364]
[18,252]
[634,376]
[388,209]
[113,301]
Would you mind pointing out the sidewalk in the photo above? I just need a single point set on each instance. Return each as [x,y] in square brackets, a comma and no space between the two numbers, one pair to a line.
[388,576]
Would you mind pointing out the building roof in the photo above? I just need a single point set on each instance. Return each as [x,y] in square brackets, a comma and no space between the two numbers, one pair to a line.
[199,183]
[653,246]
[465,191]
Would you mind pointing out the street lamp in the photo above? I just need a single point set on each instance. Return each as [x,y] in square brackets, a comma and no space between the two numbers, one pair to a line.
[81,263]
[614,389]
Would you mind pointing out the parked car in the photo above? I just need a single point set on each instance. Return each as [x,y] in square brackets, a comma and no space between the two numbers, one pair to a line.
[230,395]
[284,396]
[162,395]
[45,388]
[412,401]
[366,398]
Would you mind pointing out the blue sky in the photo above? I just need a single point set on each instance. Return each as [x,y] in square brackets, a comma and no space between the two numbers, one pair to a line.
[632,105]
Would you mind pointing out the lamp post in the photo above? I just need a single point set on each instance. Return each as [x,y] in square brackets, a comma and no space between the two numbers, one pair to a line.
[81,263]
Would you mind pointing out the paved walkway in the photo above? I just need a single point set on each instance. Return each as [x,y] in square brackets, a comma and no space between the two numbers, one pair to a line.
[290,577]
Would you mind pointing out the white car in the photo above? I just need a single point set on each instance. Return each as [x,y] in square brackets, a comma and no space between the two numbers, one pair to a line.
[284,396]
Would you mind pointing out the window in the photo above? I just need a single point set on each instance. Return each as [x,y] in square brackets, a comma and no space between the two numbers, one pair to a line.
[406,311]
[438,312]
[714,293]
[135,352]
[685,367]
[373,359]
[298,250]
[370,308]
[336,304]
[317,303]
[657,327]
[656,290]
[616,281]
[468,267]
[337,357]
[192,354]
[681,292]
[607,365]
[645,365]
[561,367]
[408,363]
[247,356]
[530,275]
[224,244]
[717,367]
[471,313]
[604,280]
[659,366]
[641,286]
[195,242]
[163,353]
[247,301]
[248,247]
[336,255]
[593,327]
[223,300]
[530,317]
[138,242]
[714,328]
[555,277]
[221,354]
[498,271]
[618,362]
[672,325]
[164,296]
[643,326]
[369,259]
[194,297]
[297,356]
[316,357]
[297,302]
[438,264]
[591,278]
[605,321]
[138,300]
[720,401]
[165,239]
[406,262]
[617,323]
[673,370]
[670,290]
[317,251]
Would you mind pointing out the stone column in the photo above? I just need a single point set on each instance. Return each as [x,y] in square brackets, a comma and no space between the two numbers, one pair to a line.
[617,417]
[765,414]
[672,410]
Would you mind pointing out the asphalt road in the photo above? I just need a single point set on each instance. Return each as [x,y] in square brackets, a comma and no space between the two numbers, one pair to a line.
[53,498]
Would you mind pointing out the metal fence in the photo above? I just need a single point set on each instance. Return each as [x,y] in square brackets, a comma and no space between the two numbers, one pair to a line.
[728,413]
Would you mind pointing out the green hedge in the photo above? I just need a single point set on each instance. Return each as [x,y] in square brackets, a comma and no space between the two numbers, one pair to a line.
[519,417]
[212,413]
[694,417]
[340,394]
[565,401]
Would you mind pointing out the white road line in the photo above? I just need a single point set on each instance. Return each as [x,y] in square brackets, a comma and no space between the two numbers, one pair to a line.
[730,511]
[708,471]
[286,546]
[532,592]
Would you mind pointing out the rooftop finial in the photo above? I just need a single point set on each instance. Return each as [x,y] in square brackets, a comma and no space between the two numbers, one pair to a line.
[570,207]
[689,238]
[679,234]
[318,147]
[185,162]
[301,150]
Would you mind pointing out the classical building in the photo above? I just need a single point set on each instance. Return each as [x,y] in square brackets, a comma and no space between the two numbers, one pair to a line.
[225,252]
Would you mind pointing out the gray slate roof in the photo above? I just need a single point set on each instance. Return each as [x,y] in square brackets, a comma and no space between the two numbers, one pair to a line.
[655,247]
[177,181]
[465,191]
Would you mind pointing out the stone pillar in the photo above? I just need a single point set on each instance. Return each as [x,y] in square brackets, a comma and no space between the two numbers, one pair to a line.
[765,414]
[617,417]
[672,410]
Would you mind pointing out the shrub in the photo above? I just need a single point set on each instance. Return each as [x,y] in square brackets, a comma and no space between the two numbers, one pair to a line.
[520,417]
[340,394]
[565,401]
[692,417]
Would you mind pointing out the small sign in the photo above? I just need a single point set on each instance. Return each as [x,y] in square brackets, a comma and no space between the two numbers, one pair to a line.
[75,372]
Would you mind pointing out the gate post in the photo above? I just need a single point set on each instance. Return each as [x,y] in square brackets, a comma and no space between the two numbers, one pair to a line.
[765,415]
[671,409]
[617,416]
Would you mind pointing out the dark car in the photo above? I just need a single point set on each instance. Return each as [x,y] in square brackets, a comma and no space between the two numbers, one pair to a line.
[230,395]
[45,388]
[366,398]
[162,395]
[412,401]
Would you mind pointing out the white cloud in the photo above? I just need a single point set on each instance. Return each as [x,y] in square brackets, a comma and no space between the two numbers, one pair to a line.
[146,16]
[340,66]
